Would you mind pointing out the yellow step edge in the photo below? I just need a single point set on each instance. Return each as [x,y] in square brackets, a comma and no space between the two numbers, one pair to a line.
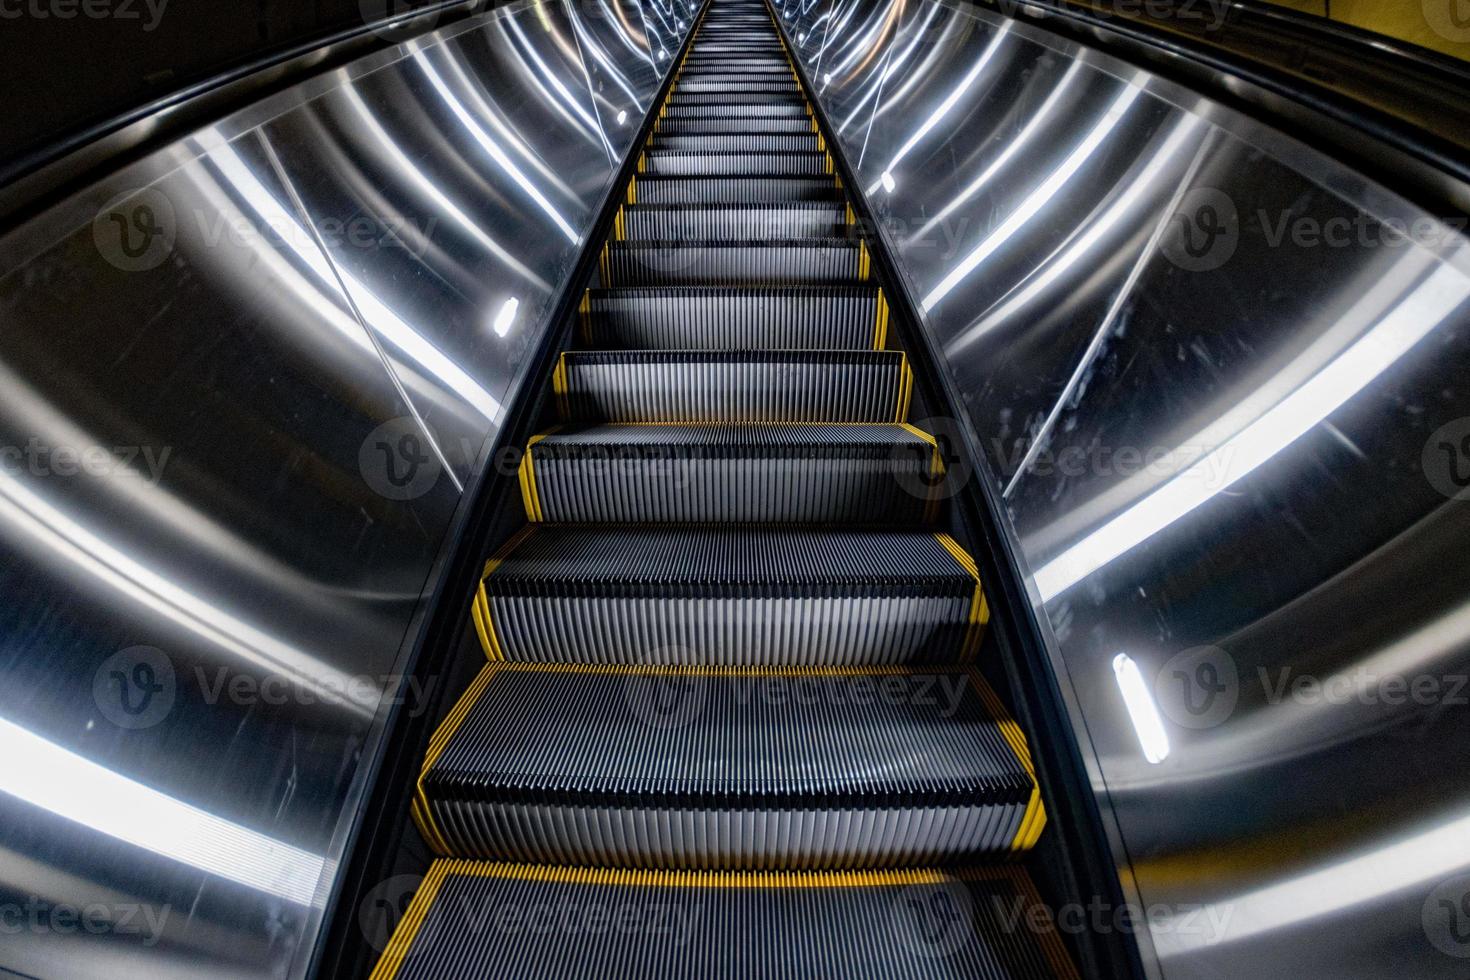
[391,962]
[530,492]
[1034,819]
[651,878]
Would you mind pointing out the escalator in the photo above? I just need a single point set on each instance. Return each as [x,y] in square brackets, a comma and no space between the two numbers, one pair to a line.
[732,718]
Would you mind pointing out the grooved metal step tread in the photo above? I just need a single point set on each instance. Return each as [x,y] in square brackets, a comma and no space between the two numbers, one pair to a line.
[734,189]
[806,260]
[730,595]
[536,922]
[737,222]
[745,163]
[736,318]
[786,124]
[809,474]
[683,767]
[733,386]
[744,142]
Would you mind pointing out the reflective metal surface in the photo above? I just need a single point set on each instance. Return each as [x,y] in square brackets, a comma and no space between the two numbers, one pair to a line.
[243,384]
[1219,382]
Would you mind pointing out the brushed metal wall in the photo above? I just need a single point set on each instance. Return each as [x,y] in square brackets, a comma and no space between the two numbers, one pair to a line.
[243,385]
[1219,382]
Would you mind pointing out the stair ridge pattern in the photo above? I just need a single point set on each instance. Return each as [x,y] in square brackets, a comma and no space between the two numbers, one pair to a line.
[732,657]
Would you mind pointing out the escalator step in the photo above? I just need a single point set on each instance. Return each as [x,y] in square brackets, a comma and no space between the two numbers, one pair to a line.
[771,67]
[737,110]
[813,474]
[662,162]
[748,85]
[476,919]
[695,768]
[787,124]
[736,222]
[692,387]
[685,99]
[716,263]
[743,142]
[730,596]
[735,318]
[734,190]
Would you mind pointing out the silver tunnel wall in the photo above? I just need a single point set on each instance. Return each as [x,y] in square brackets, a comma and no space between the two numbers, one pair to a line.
[1218,383]
[244,384]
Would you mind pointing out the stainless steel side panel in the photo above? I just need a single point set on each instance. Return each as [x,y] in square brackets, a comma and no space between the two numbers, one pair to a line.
[243,385]
[1219,382]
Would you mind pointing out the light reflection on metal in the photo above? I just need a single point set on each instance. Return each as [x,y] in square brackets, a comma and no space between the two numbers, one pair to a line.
[45,775]
[501,158]
[1041,195]
[946,105]
[1427,304]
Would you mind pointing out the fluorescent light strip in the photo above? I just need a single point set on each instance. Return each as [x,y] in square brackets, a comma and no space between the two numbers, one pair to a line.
[1141,709]
[45,775]
[1400,329]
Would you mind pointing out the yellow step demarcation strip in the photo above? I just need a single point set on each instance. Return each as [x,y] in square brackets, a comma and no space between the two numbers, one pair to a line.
[1034,819]
[530,493]
[979,606]
[392,959]
[880,320]
[423,814]
[480,604]
[584,315]
[428,892]
[936,471]
[722,670]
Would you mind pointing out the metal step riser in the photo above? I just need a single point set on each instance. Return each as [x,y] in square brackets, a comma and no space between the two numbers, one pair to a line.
[733,322]
[656,265]
[721,391]
[685,99]
[774,110]
[737,143]
[733,126]
[746,224]
[817,839]
[816,489]
[737,190]
[747,87]
[805,632]
[681,164]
